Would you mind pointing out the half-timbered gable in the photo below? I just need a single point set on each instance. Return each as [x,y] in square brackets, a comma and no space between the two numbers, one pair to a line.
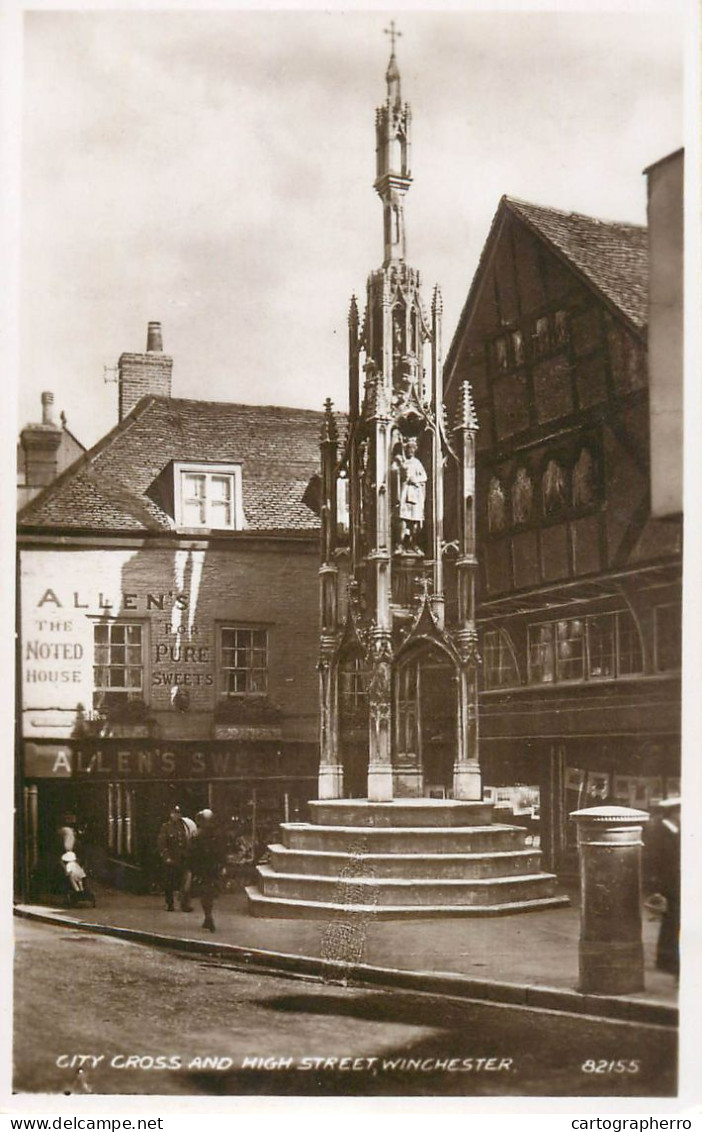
[578,672]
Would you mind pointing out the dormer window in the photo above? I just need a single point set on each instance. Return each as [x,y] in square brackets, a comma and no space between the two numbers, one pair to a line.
[208,497]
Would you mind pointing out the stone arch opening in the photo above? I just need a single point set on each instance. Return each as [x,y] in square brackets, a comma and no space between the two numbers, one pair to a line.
[426,717]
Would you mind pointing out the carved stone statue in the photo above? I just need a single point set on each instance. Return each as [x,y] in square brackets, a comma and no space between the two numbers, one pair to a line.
[584,480]
[365,494]
[496,506]
[553,486]
[411,494]
[522,493]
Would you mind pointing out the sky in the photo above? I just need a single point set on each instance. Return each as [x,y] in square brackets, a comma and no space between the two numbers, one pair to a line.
[213,170]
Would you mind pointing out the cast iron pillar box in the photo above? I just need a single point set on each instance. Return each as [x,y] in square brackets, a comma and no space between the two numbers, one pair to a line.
[611,947]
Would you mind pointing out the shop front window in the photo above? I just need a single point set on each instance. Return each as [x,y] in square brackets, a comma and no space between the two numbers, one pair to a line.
[629,653]
[541,665]
[121,835]
[601,635]
[603,646]
[570,649]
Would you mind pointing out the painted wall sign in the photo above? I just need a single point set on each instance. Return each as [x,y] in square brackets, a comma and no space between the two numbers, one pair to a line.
[126,642]
[106,763]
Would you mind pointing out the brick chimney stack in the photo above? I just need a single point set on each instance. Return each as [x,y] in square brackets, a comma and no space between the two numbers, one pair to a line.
[142,374]
[40,445]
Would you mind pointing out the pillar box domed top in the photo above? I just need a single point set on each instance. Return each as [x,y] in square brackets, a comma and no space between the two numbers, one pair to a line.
[609,825]
[610,815]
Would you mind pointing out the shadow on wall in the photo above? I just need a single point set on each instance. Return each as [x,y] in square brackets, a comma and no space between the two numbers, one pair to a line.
[161,677]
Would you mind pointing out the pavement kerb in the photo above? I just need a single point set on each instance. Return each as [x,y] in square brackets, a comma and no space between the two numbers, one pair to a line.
[607,1007]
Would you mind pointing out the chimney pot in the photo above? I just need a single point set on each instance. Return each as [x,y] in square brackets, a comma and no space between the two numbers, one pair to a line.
[144,375]
[47,408]
[154,339]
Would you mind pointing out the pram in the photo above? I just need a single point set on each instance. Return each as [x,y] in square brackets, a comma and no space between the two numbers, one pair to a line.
[78,890]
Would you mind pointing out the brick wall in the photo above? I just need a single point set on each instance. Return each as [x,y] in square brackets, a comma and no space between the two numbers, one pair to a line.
[142,374]
[180,597]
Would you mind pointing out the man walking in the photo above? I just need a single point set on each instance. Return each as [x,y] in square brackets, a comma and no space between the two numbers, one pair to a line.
[174,850]
[207,863]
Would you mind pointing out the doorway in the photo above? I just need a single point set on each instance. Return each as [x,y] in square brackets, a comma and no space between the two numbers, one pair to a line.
[426,724]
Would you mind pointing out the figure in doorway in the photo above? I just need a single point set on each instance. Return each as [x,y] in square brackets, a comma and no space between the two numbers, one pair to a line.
[411,495]
[668,877]
[174,850]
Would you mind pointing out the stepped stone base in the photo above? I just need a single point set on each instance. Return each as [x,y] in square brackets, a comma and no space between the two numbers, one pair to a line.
[413,858]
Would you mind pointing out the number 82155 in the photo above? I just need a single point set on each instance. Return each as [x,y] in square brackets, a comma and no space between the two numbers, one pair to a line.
[630,1065]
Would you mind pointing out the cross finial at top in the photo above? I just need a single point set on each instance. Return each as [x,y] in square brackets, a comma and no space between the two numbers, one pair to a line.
[394,34]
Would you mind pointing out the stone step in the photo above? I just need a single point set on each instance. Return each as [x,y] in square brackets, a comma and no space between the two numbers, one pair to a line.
[400,891]
[401,812]
[451,866]
[410,839]
[273,907]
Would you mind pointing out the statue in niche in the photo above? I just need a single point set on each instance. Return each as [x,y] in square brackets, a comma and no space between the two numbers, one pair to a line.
[584,492]
[522,496]
[411,479]
[406,383]
[553,487]
[496,506]
[398,333]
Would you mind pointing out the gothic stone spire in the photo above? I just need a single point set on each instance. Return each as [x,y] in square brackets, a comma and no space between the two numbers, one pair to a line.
[392,148]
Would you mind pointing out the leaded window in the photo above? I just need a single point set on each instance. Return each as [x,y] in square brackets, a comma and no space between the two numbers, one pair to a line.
[500,666]
[353,685]
[602,646]
[668,637]
[118,662]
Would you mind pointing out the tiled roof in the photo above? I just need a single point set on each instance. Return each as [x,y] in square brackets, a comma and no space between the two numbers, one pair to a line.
[612,256]
[609,257]
[115,486]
